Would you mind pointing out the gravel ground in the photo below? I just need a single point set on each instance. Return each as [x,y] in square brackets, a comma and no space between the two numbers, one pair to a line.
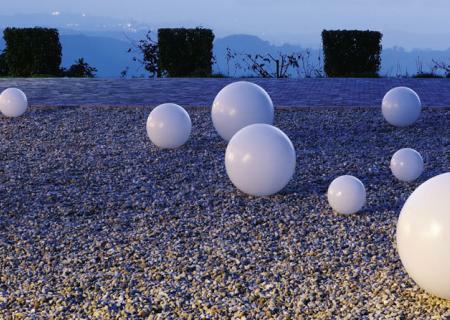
[96,223]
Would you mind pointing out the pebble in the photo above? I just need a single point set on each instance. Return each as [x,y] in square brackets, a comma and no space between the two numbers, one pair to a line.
[96,222]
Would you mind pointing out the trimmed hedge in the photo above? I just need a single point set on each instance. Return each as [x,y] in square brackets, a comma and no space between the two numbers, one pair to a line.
[185,52]
[352,53]
[32,51]
[3,65]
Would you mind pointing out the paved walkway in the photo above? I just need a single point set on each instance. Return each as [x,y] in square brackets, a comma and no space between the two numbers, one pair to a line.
[201,92]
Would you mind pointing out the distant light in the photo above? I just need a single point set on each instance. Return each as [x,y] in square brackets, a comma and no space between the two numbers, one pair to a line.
[56,13]
[83,14]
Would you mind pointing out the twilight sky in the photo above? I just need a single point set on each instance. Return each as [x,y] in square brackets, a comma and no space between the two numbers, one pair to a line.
[275,20]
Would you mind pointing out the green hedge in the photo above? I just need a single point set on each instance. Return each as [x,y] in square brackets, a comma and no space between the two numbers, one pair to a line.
[32,51]
[3,65]
[352,53]
[185,52]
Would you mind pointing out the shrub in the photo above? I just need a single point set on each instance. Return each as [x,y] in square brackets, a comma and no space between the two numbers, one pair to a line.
[352,53]
[3,65]
[219,75]
[185,52]
[427,75]
[80,69]
[32,51]
[147,49]
[442,66]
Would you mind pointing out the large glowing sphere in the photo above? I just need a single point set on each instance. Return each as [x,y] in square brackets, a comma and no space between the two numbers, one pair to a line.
[169,126]
[423,236]
[260,160]
[13,102]
[401,107]
[238,105]
[407,165]
[346,195]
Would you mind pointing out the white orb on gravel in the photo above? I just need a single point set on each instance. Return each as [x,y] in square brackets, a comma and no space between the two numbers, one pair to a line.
[260,160]
[13,102]
[407,164]
[401,106]
[169,126]
[238,105]
[346,195]
[423,236]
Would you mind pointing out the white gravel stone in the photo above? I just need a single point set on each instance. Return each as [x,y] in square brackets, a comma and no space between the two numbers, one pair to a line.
[97,223]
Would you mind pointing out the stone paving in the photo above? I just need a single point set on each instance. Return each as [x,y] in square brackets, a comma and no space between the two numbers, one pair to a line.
[201,92]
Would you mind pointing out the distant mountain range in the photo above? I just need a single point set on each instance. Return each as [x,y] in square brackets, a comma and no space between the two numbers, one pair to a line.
[76,23]
[104,43]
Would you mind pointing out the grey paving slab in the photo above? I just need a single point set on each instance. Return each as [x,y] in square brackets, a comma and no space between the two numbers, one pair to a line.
[201,92]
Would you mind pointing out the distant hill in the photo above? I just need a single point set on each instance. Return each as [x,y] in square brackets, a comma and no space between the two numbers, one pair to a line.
[397,61]
[251,44]
[76,23]
[108,53]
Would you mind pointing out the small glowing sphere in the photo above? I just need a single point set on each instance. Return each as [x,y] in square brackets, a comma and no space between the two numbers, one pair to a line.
[13,102]
[238,105]
[169,126]
[260,160]
[346,195]
[423,236]
[407,165]
[401,107]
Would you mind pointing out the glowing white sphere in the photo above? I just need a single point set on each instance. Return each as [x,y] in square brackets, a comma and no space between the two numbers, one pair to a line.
[346,195]
[238,105]
[260,160]
[13,102]
[401,107]
[423,236]
[169,126]
[407,165]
